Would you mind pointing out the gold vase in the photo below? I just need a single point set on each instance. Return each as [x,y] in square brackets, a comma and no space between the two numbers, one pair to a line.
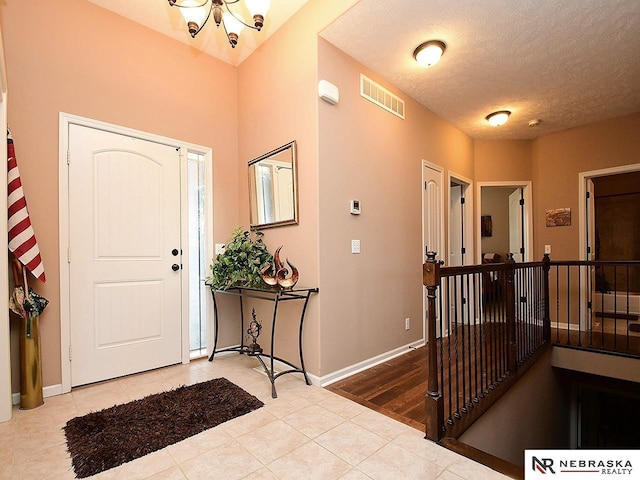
[30,364]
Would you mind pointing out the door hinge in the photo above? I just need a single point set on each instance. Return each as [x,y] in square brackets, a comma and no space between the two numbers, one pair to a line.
[463,250]
[588,249]
[522,201]
[589,305]
[69,352]
[462,201]
[425,185]
[588,194]
[522,250]
[68,157]
[68,254]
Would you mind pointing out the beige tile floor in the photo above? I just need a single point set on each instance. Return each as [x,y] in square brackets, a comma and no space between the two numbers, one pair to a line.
[307,432]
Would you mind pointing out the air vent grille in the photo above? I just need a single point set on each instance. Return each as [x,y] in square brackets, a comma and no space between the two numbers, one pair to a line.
[382,97]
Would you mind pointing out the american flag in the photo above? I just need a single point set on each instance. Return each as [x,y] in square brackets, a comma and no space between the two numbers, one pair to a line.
[22,238]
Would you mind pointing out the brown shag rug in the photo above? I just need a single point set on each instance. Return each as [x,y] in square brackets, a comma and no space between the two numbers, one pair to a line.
[102,440]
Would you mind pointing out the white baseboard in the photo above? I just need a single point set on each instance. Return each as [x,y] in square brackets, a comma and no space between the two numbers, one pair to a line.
[50,391]
[365,364]
[323,381]
[563,326]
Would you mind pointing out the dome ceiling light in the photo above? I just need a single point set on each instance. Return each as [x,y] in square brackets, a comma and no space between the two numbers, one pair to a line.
[429,53]
[498,118]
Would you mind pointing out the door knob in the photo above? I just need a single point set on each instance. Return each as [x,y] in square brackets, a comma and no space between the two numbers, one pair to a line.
[175,252]
[175,267]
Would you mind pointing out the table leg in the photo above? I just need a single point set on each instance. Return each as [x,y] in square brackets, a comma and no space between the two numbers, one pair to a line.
[304,370]
[215,325]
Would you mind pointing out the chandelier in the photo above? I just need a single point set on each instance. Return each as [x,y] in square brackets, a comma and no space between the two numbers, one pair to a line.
[196,13]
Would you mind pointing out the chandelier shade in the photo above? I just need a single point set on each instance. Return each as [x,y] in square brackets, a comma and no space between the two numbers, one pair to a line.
[196,13]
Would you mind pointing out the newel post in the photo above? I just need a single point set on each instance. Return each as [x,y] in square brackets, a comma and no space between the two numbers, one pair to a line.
[510,299]
[546,322]
[434,402]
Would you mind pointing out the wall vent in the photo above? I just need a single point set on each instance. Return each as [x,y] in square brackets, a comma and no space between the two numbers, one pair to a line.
[382,97]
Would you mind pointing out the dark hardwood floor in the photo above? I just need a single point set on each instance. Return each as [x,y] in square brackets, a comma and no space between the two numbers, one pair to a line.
[395,388]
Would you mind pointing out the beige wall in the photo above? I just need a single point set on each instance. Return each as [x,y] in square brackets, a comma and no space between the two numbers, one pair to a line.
[75,57]
[502,160]
[371,155]
[279,103]
[558,159]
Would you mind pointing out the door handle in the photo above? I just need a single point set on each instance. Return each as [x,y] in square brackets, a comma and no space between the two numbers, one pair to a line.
[175,267]
[175,252]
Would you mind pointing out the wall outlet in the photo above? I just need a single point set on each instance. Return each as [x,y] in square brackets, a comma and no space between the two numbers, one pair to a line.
[547,249]
[407,323]
[355,246]
[219,248]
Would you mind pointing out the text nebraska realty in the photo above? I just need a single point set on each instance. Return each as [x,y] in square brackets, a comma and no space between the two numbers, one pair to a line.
[606,467]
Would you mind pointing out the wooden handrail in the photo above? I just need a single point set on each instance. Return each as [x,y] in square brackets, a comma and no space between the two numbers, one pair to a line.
[510,304]
[434,400]
[487,343]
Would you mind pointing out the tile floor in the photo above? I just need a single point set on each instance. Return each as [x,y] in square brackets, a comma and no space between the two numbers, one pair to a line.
[307,432]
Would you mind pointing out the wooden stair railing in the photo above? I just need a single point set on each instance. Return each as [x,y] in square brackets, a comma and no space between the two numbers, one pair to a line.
[487,324]
[596,306]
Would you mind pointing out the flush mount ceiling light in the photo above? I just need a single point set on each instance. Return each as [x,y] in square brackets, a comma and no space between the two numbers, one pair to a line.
[498,118]
[429,53]
[196,13]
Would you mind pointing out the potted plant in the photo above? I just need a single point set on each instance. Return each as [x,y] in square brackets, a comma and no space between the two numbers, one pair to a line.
[241,262]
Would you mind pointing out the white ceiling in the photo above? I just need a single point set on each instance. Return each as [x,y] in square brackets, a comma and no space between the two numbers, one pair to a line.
[568,63]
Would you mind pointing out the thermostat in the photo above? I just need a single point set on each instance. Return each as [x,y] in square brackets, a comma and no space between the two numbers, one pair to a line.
[355,207]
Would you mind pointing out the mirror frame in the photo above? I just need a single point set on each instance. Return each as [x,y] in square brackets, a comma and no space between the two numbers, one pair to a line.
[294,163]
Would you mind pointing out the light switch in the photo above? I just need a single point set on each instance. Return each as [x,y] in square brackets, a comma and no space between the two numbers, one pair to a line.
[219,248]
[547,249]
[355,246]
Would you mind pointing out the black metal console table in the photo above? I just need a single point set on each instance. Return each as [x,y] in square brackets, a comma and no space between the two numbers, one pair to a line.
[276,296]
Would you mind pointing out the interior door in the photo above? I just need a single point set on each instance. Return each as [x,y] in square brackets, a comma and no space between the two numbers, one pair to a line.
[456,220]
[461,294]
[432,223]
[588,275]
[284,187]
[516,225]
[432,209]
[125,260]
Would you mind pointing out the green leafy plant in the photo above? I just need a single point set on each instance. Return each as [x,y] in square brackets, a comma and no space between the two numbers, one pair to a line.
[241,262]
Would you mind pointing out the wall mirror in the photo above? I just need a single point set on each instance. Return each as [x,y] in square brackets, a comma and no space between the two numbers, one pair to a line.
[273,188]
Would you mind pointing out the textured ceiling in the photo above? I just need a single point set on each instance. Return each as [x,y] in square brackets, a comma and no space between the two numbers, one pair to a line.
[568,63]
[159,16]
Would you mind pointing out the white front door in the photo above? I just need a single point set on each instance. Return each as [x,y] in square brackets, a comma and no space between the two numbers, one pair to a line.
[124,224]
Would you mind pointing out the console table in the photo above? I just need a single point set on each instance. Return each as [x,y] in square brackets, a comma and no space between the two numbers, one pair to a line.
[276,296]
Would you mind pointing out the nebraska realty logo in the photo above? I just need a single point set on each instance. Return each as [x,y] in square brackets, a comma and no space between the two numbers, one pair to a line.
[552,464]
